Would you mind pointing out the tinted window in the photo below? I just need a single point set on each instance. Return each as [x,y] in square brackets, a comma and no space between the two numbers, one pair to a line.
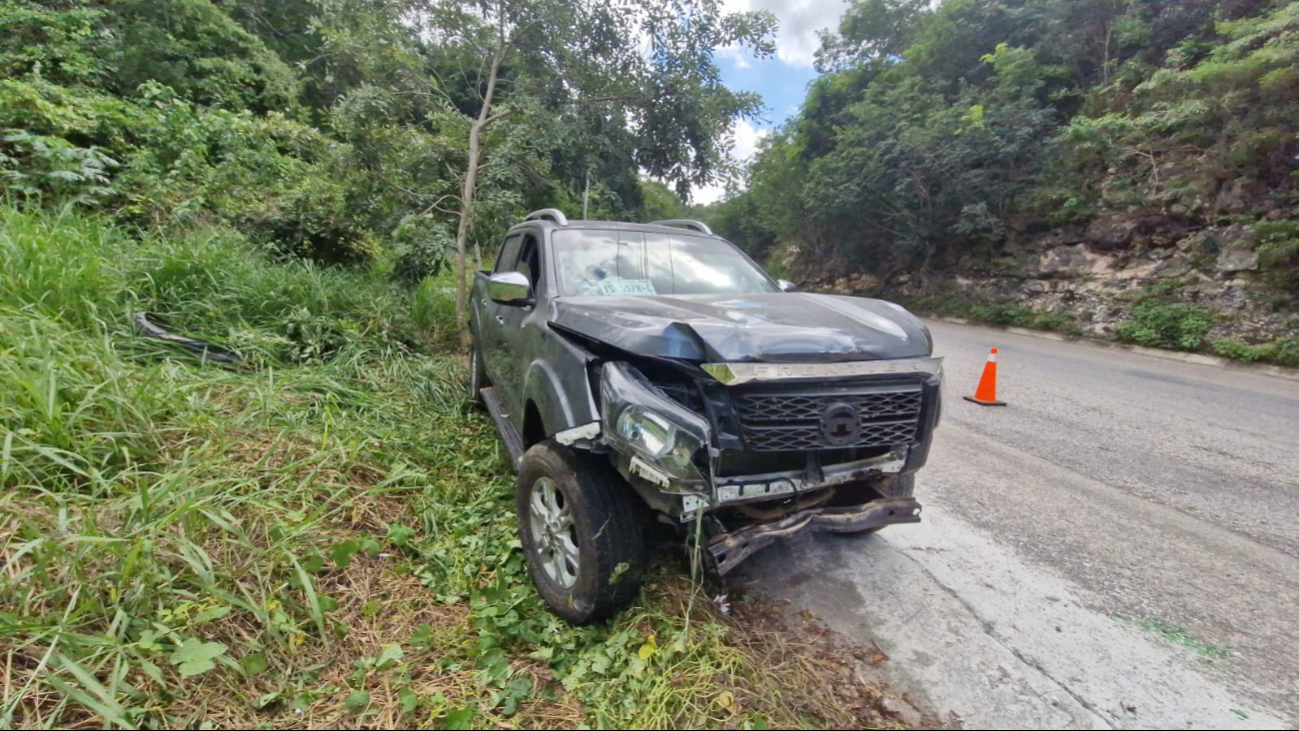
[530,260]
[595,262]
[509,254]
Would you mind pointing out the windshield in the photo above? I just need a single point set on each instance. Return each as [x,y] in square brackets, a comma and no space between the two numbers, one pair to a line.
[620,263]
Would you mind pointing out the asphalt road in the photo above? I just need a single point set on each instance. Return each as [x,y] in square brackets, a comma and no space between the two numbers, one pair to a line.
[1117,548]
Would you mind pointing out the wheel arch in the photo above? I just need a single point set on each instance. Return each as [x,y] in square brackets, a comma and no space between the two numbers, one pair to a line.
[560,402]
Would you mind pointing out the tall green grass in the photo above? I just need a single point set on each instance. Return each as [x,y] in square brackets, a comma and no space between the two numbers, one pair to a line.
[319,536]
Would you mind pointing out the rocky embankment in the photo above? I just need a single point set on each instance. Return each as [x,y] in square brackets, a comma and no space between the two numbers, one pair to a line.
[1092,277]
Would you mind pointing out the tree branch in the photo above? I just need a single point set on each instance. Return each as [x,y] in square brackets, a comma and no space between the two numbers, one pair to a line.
[437,205]
[498,116]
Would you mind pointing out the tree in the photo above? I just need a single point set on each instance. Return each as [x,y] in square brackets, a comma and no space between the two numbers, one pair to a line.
[661,203]
[871,29]
[644,64]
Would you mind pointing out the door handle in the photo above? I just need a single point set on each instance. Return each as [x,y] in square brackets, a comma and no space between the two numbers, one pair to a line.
[500,319]
[484,301]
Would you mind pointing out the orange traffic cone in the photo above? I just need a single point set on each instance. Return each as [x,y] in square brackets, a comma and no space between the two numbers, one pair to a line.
[986,394]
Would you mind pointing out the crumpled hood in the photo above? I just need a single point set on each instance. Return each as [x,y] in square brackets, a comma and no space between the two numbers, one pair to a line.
[794,327]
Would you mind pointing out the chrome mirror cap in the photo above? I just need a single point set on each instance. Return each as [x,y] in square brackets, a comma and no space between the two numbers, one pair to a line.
[509,288]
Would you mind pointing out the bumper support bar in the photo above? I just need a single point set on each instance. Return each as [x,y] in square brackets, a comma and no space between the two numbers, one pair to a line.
[729,549]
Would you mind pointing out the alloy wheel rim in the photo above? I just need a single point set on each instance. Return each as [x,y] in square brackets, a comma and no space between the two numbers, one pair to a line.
[554,534]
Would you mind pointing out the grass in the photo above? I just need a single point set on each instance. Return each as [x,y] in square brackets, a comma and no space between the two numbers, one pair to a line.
[319,537]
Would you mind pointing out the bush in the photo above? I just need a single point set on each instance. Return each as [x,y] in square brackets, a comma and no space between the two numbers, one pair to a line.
[1278,253]
[1283,352]
[1158,324]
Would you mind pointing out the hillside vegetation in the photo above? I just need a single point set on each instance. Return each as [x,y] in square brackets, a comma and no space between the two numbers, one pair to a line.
[348,130]
[1116,167]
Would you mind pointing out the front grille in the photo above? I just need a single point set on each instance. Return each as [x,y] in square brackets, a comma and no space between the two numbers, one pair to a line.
[785,420]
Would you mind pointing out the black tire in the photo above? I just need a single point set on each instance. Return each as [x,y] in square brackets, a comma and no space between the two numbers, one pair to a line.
[900,486]
[605,528]
[477,374]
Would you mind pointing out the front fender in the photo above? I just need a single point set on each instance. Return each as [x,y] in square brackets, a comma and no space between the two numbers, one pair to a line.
[563,399]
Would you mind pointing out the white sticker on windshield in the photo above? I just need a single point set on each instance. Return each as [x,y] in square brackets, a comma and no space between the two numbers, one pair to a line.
[624,287]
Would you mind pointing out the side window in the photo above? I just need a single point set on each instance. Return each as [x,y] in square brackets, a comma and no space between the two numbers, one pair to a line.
[509,256]
[530,260]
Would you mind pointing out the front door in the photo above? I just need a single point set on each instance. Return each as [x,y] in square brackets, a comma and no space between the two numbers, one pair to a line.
[511,320]
[490,326]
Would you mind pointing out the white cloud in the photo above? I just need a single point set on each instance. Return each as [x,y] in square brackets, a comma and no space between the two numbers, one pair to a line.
[796,38]
[736,55]
[745,138]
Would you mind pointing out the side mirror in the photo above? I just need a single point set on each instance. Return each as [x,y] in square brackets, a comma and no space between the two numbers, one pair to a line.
[510,288]
[786,285]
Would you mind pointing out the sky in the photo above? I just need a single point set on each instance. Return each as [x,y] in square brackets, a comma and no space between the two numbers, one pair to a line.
[781,79]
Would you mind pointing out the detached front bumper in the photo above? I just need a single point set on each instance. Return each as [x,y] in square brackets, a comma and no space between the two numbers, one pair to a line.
[729,549]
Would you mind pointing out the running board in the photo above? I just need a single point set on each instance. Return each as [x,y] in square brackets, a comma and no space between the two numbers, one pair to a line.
[511,436]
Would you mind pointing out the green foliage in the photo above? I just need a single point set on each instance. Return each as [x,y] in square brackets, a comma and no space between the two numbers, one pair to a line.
[35,165]
[938,131]
[61,44]
[660,202]
[1282,352]
[183,541]
[338,129]
[194,47]
[1157,323]
[195,657]
[1278,252]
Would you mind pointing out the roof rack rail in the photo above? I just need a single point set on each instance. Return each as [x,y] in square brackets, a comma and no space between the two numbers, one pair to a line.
[553,214]
[687,223]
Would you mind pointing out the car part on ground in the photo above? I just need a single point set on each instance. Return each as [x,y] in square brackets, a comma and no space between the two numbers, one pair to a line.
[145,326]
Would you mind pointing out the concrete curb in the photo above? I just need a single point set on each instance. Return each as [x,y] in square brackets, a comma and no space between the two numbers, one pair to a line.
[1196,358]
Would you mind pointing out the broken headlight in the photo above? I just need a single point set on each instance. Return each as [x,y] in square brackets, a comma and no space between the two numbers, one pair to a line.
[645,425]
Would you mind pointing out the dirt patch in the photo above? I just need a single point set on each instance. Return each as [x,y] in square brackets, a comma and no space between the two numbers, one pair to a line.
[843,677]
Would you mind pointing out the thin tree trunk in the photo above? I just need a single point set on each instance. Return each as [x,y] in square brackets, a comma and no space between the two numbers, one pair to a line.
[1105,57]
[467,197]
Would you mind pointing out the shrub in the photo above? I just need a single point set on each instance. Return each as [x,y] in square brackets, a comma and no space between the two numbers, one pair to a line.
[1159,324]
[1283,352]
[1278,253]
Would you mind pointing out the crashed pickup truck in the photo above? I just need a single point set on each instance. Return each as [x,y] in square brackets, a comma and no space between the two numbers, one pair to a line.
[643,372]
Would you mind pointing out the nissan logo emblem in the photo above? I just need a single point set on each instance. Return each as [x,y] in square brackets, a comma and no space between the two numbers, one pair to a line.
[840,424]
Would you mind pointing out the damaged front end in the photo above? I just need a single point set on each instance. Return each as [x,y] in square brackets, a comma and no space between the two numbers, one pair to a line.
[758,452]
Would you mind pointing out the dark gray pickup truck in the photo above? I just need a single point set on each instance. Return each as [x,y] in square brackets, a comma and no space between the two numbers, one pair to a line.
[639,370]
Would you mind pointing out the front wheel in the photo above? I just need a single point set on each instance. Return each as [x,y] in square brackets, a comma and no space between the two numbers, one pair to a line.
[580,532]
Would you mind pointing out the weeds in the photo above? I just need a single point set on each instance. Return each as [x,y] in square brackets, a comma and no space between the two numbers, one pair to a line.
[1282,352]
[321,537]
[1159,324]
